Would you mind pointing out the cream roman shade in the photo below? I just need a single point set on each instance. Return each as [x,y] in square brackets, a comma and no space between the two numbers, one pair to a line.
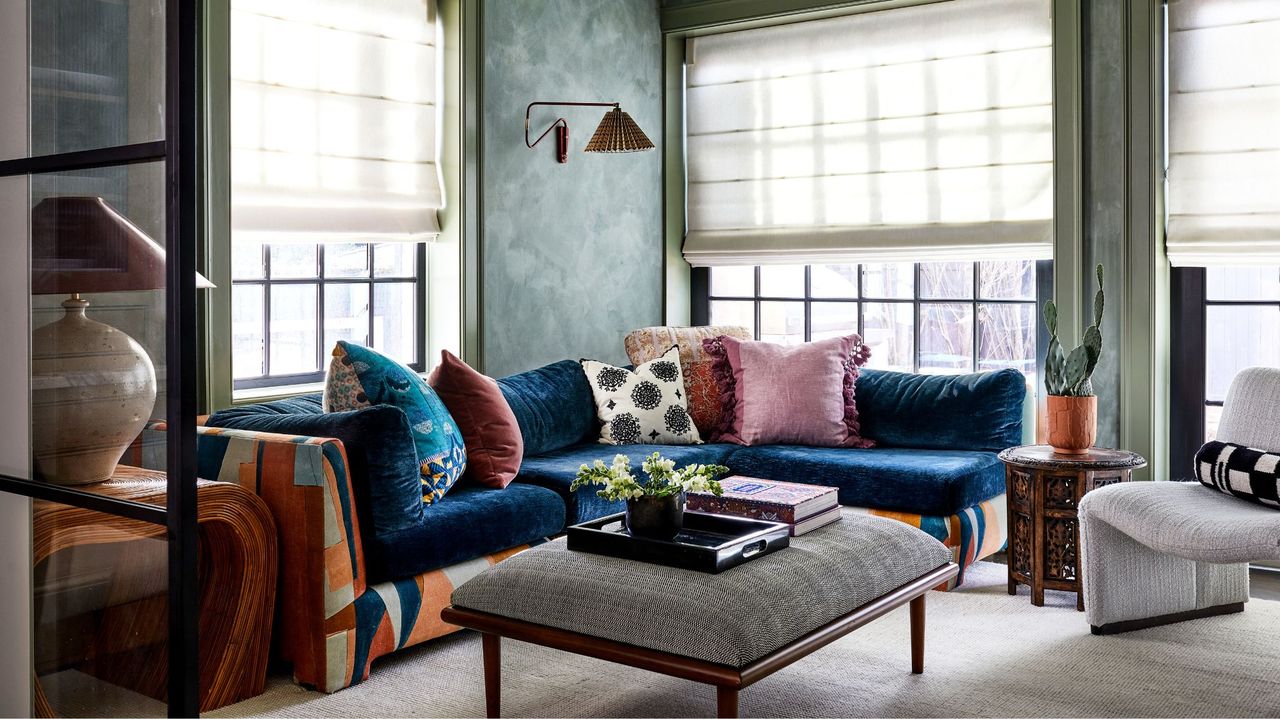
[909,134]
[1224,132]
[334,120]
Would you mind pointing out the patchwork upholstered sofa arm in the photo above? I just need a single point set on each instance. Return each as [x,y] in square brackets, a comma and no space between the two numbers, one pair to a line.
[305,482]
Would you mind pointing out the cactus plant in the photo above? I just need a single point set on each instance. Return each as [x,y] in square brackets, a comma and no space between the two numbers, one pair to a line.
[1067,374]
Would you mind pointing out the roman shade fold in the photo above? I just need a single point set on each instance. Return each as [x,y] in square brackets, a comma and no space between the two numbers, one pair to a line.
[335,121]
[905,134]
[1224,151]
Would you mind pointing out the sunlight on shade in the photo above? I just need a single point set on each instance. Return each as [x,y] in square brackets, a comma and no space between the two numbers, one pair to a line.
[869,128]
[334,117]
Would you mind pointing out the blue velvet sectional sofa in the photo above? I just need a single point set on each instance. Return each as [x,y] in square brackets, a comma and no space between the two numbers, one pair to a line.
[380,565]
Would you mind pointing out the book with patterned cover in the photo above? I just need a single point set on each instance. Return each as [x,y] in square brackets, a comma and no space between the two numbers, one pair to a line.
[765,499]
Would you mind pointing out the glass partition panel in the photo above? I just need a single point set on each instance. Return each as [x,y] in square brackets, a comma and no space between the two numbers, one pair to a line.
[98,320]
[100,609]
[96,74]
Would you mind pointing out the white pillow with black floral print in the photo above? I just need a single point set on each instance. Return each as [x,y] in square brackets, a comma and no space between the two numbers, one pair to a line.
[646,406]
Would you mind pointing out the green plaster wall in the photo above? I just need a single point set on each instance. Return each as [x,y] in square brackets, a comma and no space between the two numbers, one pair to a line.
[1104,221]
[1122,223]
[571,255]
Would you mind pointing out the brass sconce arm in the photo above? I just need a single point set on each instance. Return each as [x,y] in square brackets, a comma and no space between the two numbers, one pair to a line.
[561,126]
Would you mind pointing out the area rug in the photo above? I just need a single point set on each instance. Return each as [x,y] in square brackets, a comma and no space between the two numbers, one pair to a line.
[988,655]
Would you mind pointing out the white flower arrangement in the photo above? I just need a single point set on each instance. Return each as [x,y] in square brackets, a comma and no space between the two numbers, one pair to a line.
[664,479]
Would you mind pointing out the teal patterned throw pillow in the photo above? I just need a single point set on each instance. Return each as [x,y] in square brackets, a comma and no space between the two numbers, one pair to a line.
[361,377]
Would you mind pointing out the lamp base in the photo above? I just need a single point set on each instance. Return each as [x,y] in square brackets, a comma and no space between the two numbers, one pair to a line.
[92,390]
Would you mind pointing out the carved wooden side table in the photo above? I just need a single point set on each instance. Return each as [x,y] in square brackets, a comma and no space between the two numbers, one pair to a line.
[1043,490]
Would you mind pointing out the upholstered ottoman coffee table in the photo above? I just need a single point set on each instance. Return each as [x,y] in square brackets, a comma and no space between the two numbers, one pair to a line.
[730,629]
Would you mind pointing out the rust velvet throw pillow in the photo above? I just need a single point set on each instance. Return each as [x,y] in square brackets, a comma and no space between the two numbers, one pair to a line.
[649,343]
[489,428]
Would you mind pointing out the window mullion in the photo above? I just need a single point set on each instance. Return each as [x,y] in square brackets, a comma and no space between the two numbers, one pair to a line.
[372,287]
[320,311]
[757,302]
[423,321]
[915,326]
[266,310]
[973,310]
[862,322]
[808,303]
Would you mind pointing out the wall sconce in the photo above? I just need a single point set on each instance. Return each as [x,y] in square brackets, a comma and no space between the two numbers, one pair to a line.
[617,132]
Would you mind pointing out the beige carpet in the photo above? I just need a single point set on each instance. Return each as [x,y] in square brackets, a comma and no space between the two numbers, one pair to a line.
[988,654]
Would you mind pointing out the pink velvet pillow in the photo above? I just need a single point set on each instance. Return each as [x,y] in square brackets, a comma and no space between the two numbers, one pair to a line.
[489,428]
[780,394]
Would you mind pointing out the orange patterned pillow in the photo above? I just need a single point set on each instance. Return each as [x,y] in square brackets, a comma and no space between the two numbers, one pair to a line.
[648,343]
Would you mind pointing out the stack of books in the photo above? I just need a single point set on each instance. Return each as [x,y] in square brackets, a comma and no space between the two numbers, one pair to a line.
[805,507]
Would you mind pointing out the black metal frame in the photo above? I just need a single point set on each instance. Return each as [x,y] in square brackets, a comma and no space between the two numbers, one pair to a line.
[320,281]
[179,153]
[700,311]
[1187,371]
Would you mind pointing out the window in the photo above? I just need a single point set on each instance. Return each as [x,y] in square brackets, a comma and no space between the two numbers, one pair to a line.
[1226,319]
[932,317]
[292,302]
[897,135]
[335,182]
[1224,151]
[1223,233]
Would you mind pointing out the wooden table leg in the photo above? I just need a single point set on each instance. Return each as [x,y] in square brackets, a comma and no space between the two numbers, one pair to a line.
[726,702]
[917,635]
[491,644]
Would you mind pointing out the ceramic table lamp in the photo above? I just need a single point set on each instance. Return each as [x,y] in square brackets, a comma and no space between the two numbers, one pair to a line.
[93,387]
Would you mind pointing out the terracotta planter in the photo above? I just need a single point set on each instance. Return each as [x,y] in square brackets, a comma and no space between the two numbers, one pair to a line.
[1073,423]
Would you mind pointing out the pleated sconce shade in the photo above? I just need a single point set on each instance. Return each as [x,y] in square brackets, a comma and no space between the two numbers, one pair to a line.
[617,132]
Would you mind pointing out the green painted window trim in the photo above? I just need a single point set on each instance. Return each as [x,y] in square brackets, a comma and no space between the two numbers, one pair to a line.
[1145,344]
[214,305]
[459,162]
[465,144]
[694,18]
[686,21]
[1068,171]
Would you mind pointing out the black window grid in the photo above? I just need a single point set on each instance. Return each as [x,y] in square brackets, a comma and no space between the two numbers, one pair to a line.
[917,303]
[1204,330]
[320,281]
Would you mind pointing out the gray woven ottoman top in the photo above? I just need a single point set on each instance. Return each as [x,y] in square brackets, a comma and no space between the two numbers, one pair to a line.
[732,618]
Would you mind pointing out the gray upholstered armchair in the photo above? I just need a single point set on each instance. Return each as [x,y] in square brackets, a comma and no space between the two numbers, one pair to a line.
[1161,552]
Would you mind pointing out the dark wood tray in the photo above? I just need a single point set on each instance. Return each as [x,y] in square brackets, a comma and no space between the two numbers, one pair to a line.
[708,543]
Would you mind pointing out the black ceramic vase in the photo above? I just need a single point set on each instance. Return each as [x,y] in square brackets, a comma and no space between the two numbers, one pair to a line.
[656,517]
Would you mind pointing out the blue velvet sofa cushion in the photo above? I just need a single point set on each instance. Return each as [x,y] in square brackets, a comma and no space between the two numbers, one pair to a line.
[553,406]
[921,481]
[471,521]
[981,411]
[556,470]
[384,463]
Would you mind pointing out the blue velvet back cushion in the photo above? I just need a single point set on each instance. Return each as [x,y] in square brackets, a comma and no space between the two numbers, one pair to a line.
[553,406]
[384,462]
[981,411]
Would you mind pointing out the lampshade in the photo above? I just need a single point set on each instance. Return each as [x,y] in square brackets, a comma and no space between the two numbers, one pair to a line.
[617,132]
[82,244]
